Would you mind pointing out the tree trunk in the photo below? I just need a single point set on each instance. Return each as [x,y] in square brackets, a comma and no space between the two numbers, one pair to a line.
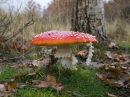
[88,17]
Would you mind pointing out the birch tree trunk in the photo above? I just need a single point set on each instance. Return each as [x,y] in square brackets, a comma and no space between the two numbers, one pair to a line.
[88,17]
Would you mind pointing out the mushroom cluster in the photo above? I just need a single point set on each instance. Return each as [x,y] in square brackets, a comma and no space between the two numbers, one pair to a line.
[64,41]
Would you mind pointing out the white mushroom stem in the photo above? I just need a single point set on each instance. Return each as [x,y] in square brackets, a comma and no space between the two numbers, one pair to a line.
[63,51]
[65,57]
[90,54]
[69,62]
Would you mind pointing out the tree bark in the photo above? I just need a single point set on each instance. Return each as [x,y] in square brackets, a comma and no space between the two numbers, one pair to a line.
[88,17]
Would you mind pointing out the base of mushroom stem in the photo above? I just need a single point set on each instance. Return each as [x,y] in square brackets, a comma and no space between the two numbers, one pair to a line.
[68,62]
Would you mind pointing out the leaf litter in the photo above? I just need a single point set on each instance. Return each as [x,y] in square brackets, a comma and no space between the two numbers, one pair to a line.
[50,81]
[116,71]
[7,89]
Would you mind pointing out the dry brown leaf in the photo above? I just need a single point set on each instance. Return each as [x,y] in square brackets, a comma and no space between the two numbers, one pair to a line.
[43,84]
[117,59]
[111,95]
[103,78]
[20,86]
[7,89]
[127,85]
[109,55]
[58,87]
[35,82]
[31,74]
[49,82]
[99,76]
[54,84]
[6,94]
[117,70]
[2,87]
[123,57]
[118,83]
[51,79]
[11,86]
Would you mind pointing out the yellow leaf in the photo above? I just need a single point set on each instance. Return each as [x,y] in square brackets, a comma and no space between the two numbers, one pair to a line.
[52,80]
[11,86]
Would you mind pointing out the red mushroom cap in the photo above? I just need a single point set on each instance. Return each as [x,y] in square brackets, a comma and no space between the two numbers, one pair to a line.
[55,38]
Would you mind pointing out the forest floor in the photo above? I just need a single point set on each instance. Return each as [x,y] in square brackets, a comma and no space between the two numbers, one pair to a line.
[17,80]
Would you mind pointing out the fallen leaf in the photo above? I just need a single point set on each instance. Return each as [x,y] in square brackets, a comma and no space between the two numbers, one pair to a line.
[51,79]
[109,55]
[118,83]
[58,87]
[6,94]
[49,82]
[7,89]
[127,85]
[20,86]
[11,86]
[31,74]
[43,84]
[103,78]
[117,71]
[2,87]
[111,95]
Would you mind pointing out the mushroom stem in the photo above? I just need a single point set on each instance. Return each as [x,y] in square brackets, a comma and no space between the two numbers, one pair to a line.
[90,54]
[65,57]
[69,62]
[64,51]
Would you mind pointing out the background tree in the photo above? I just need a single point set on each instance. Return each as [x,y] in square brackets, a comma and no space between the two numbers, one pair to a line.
[88,16]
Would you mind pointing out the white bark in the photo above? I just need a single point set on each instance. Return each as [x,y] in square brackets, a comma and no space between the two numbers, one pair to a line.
[89,17]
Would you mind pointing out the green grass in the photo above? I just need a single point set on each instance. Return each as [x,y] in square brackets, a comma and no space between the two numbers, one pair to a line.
[33,92]
[125,47]
[81,83]
[7,73]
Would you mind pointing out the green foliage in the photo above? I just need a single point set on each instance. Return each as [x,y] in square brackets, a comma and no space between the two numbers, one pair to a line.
[81,83]
[32,92]
[124,47]
[7,73]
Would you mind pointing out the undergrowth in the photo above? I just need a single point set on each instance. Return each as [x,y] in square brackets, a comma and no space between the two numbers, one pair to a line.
[81,83]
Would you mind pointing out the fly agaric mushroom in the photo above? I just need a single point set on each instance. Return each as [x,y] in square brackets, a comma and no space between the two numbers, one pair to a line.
[64,41]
